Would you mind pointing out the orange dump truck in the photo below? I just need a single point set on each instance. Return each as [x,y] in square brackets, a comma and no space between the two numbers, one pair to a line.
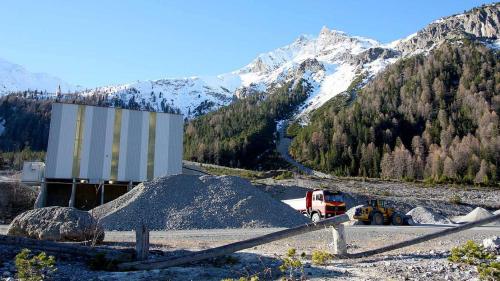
[319,204]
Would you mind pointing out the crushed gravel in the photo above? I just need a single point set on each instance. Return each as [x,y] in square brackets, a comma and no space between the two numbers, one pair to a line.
[476,214]
[351,213]
[422,215]
[196,202]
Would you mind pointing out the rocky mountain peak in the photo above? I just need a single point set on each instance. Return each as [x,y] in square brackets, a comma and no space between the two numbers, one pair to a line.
[324,30]
[479,23]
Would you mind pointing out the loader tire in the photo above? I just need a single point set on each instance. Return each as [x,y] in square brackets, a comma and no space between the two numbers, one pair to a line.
[377,218]
[397,219]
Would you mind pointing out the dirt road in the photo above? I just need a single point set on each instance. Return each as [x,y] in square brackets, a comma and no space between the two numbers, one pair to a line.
[358,237]
[283,145]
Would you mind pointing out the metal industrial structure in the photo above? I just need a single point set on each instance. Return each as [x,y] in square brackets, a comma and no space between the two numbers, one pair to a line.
[96,154]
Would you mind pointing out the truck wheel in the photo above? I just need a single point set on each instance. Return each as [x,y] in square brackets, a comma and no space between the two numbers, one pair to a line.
[377,219]
[315,217]
[397,219]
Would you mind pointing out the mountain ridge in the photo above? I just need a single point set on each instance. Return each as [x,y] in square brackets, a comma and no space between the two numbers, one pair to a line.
[15,78]
[330,62]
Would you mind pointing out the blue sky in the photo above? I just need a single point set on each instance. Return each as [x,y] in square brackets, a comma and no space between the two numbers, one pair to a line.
[95,43]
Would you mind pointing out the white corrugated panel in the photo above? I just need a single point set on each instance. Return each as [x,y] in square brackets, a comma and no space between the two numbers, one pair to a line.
[94,158]
[161,145]
[175,145]
[95,163]
[61,141]
[108,143]
[143,155]
[122,173]
[87,140]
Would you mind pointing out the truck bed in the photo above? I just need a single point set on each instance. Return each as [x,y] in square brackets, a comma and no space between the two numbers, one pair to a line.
[298,204]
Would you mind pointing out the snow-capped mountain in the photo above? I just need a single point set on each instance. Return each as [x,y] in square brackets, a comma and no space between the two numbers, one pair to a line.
[330,62]
[14,78]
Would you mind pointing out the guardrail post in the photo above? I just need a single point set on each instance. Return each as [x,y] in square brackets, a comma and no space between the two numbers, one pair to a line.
[339,244]
[142,242]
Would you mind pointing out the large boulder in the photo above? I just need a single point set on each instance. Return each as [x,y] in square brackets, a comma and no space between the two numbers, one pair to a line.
[57,224]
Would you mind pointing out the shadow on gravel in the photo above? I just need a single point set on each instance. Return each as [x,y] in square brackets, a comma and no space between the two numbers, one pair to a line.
[403,257]
[132,245]
[231,266]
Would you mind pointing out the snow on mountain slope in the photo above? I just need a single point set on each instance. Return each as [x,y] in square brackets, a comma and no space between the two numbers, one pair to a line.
[329,62]
[15,78]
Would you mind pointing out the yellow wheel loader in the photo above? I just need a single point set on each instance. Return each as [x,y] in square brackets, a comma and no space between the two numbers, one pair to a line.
[377,213]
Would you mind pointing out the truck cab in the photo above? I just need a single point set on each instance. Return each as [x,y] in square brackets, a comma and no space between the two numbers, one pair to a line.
[324,204]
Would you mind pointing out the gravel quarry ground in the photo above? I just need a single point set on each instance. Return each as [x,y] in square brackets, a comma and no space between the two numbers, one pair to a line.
[425,261]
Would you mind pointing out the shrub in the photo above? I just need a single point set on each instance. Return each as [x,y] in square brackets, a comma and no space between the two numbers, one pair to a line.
[251,278]
[34,267]
[475,254]
[470,253]
[291,265]
[489,272]
[284,175]
[455,199]
[321,257]
[386,193]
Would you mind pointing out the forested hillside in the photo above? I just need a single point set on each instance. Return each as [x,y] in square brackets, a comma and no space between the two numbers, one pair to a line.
[431,117]
[237,135]
[24,123]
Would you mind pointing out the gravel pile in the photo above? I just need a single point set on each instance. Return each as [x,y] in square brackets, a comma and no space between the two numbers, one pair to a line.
[196,202]
[422,215]
[476,214]
[351,213]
